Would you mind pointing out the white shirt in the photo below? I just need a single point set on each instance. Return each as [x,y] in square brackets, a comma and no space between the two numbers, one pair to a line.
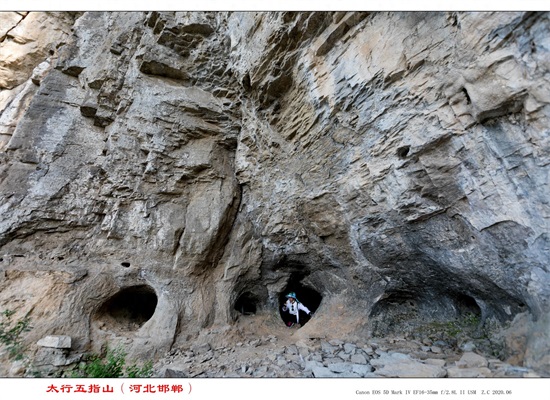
[293,309]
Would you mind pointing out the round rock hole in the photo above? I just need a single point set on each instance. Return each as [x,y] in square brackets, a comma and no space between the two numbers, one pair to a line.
[128,309]
[307,296]
[403,151]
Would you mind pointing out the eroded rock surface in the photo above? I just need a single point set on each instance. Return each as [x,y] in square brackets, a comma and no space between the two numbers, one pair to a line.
[166,173]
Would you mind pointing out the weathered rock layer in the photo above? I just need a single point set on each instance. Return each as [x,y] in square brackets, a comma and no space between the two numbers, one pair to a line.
[163,173]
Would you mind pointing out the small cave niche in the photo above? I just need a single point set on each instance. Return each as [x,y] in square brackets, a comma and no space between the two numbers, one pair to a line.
[246,304]
[309,297]
[403,151]
[466,305]
[128,309]
[426,314]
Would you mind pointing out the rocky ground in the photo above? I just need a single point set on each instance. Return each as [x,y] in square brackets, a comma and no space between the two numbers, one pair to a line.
[266,349]
[261,346]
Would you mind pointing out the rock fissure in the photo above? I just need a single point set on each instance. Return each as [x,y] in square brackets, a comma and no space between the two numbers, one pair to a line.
[6,34]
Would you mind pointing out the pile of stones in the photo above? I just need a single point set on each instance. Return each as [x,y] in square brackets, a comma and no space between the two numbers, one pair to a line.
[266,358]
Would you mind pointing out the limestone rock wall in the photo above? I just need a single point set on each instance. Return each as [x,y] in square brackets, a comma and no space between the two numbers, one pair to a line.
[393,164]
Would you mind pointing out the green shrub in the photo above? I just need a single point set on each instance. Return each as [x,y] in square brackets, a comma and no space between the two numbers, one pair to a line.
[471,321]
[113,365]
[145,371]
[10,333]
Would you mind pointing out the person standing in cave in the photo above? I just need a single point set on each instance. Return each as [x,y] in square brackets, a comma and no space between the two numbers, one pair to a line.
[295,308]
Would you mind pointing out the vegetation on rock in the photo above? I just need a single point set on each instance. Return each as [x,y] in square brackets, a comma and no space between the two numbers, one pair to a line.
[11,331]
[112,365]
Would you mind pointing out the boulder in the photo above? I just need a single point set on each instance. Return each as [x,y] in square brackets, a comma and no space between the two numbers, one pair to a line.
[472,360]
[57,342]
[402,366]
[458,372]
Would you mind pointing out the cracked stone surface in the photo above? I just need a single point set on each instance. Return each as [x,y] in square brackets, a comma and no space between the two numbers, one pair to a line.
[167,174]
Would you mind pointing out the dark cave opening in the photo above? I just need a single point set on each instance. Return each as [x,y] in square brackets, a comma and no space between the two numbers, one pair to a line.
[306,295]
[466,305]
[427,313]
[129,309]
[403,151]
[246,304]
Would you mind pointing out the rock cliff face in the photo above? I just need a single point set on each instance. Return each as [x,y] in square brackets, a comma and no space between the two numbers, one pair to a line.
[164,173]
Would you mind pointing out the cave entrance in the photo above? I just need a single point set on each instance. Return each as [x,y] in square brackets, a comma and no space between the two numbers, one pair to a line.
[427,315]
[467,306]
[307,296]
[246,304]
[128,309]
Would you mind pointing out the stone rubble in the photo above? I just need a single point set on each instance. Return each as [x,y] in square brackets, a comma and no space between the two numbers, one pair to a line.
[268,357]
